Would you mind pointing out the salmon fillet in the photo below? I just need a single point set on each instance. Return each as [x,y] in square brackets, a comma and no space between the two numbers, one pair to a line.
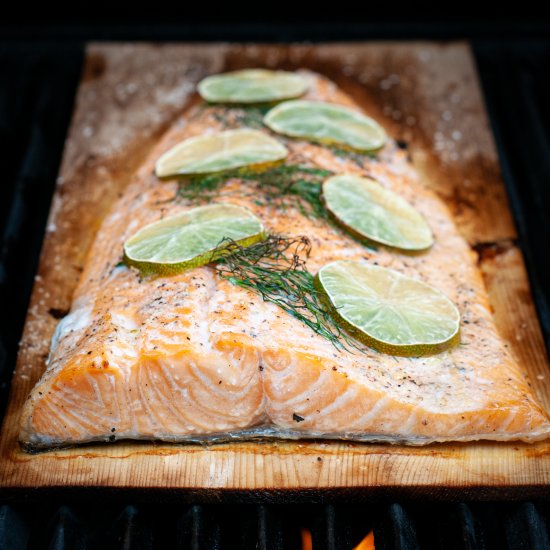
[191,356]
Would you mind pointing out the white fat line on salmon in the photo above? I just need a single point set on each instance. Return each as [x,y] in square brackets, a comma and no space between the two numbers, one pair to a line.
[75,322]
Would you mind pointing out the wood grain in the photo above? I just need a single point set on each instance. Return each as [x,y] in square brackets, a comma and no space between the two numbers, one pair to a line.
[425,94]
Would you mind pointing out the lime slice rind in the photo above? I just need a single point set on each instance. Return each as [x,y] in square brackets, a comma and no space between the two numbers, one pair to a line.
[327,123]
[192,238]
[369,211]
[251,86]
[368,302]
[220,152]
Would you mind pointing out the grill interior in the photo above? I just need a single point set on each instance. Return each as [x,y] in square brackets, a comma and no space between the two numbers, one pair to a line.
[276,527]
[36,100]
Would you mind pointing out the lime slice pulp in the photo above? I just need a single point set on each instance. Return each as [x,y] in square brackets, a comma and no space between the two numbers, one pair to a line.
[192,238]
[252,86]
[369,210]
[220,152]
[326,123]
[388,311]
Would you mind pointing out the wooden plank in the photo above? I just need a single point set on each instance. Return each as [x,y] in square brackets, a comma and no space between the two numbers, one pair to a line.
[426,94]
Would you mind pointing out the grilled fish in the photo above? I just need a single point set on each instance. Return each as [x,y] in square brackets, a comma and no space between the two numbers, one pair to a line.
[193,357]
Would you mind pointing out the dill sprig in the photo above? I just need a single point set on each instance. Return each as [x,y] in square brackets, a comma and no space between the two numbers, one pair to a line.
[250,116]
[294,181]
[348,154]
[273,186]
[276,270]
[203,187]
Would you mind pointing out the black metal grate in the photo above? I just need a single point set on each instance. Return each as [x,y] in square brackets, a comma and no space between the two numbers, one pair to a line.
[409,526]
[37,92]
[516,82]
[36,100]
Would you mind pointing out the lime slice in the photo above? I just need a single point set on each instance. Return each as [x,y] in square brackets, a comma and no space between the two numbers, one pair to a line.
[219,152]
[368,210]
[388,311]
[192,238]
[326,123]
[252,86]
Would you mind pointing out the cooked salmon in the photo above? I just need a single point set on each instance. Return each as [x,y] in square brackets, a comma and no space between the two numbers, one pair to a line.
[192,356]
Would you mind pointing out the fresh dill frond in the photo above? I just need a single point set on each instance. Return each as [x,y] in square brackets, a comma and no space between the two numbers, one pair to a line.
[297,182]
[355,156]
[250,116]
[276,270]
[202,188]
[309,198]
[219,116]
[301,184]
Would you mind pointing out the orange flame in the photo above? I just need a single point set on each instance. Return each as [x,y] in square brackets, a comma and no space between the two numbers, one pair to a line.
[367,543]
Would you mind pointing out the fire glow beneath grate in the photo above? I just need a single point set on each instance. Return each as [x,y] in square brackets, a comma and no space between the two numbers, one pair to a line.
[307,543]
[367,543]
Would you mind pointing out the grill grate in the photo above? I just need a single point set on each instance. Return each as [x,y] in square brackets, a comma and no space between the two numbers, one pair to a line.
[36,100]
[516,83]
[37,91]
[408,526]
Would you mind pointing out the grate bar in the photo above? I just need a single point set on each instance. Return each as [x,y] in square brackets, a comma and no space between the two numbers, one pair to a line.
[14,530]
[68,532]
[467,527]
[403,529]
[131,531]
[526,528]
[198,529]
